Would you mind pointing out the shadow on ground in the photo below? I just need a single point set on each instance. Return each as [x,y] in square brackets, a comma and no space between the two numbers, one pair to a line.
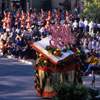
[16,81]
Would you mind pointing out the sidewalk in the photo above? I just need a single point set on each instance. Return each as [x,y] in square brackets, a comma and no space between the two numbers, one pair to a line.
[1,30]
[27,61]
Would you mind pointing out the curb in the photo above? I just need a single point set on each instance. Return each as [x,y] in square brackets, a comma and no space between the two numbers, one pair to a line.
[21,60]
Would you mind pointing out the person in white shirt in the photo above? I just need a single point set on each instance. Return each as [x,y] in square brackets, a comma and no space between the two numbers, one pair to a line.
[18,30]
[94,44]
[98,36]
[91,26]
[81,26]
[10,33]
[84,43]
[75,26]
[97,45]
[85,26]
[90,44]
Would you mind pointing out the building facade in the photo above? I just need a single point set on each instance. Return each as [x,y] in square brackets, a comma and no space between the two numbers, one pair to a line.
[49,4]
[4,4]
[38,4]
[14,4]
[70,4]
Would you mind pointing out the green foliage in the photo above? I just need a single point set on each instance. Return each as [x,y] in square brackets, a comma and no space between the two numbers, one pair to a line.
[92,10]
[71,91]
[48,48]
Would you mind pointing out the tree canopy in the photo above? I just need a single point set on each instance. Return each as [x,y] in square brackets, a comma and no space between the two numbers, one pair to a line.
[91,10]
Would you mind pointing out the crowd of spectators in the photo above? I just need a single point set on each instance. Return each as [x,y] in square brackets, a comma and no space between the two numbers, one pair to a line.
[16,40]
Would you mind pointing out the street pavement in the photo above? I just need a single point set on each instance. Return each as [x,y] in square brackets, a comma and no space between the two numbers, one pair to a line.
[87,80]
[1,30]
[17,80]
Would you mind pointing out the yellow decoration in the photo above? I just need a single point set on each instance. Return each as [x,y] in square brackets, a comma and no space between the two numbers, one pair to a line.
[78,51]
[45,61]
[37,60]
[58,49]
[40,55]
[54,52]
[49,51]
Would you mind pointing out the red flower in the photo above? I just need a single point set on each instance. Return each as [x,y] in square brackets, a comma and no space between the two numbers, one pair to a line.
[38,90]
[37,56]
[75,50]
[43,58]
[58,53]
[35,86]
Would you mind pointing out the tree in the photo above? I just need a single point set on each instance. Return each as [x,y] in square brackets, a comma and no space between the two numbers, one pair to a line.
[92,10]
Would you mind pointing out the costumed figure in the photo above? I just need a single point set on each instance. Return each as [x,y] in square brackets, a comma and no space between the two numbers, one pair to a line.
[8,23]
[35,16]
[42,17]
[22,23]
[4,22]
[17,18]
[57,18]
[18,13]
[67,17]
[48,20]
[28,21]
[17,21]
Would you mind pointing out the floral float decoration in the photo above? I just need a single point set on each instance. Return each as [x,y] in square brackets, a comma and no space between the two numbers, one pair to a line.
[54,51]
[61,35]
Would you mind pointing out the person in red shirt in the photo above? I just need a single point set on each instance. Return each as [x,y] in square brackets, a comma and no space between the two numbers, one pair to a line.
[17,21]
[8,28]
[48,20]
[67,17]
[35,16]
[42,16]
[23,20]
[4,22]
[28,20]
[57,18]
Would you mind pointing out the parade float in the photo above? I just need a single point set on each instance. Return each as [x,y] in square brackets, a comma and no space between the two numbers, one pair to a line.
[56,60]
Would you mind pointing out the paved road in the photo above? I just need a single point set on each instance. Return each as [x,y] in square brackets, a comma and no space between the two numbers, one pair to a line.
[16,81]
[88,79]
[1,30]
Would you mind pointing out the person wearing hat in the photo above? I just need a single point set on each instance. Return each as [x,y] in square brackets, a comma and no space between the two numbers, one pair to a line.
[42,17]
[57,18]
[28,20]
[22,24]
[35,16]
[67,16]
[4,21]
[16,21]
[48,20]
[8,23]
[18,12]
